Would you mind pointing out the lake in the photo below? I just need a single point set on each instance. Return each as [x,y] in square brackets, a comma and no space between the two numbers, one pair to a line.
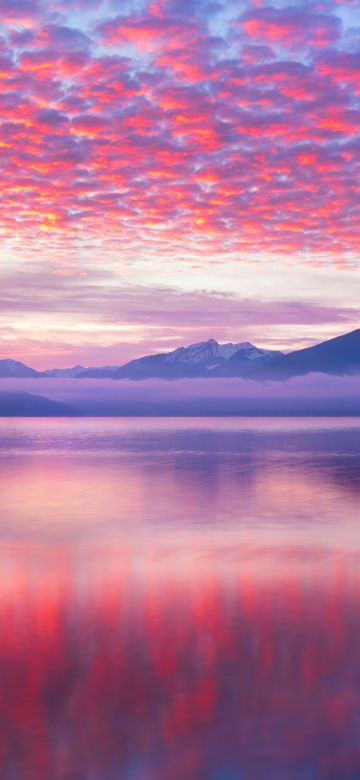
[180,599]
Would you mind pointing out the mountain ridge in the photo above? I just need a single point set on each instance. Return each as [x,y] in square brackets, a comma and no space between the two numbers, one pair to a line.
[337,356]
[14,368]
[205,358]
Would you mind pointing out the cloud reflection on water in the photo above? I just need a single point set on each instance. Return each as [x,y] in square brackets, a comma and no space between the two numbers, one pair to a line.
[179,600]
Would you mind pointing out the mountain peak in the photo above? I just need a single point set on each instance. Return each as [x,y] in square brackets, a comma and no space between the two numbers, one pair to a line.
[11,362]
[204,352]
[209,342]
[14,368]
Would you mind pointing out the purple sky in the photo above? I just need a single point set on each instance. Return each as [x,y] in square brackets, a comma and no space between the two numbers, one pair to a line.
[174,170]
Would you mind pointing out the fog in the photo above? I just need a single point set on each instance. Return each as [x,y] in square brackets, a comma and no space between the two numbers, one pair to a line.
[314,394]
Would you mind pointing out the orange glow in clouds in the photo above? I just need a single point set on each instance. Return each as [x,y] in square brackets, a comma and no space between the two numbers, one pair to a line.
[103,125]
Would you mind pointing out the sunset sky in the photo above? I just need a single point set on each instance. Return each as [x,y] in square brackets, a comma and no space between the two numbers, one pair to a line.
[176,170]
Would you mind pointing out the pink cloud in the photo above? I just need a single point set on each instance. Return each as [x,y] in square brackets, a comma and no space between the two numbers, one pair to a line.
[148,131]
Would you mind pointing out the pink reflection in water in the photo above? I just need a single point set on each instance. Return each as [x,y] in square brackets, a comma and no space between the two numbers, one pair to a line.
[119,667]
[179,603]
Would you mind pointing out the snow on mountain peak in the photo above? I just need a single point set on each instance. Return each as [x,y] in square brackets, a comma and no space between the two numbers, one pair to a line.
[206,352]
[250,352]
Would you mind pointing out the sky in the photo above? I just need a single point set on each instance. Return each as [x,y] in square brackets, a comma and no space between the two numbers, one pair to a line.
[175,170]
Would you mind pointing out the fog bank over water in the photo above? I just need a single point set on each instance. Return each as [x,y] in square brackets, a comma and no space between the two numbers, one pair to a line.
[314,394]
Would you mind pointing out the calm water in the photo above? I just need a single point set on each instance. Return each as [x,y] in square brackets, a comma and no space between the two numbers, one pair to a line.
[180,599]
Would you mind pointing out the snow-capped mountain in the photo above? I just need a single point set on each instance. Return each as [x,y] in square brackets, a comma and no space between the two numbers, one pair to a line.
[248,359]
[213,355]
[249,352]
[206,358]
[203,352]
[339,356]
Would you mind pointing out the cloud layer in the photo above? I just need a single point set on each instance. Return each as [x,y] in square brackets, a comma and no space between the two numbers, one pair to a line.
[315,394]
[139,124]
[47,320]
[146,146]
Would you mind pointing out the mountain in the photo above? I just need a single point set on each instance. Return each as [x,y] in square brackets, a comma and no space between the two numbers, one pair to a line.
[70,373]
[28,405]
[60,373]
[207,358]
[247,360]
[12,368]
[206,353]
[339,356]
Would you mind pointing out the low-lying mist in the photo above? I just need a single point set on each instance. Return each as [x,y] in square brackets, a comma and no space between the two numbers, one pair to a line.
[314,394]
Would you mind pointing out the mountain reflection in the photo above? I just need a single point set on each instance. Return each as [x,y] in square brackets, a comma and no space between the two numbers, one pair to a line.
[203,625]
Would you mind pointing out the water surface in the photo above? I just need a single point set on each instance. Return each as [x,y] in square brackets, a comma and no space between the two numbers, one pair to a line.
[180,599]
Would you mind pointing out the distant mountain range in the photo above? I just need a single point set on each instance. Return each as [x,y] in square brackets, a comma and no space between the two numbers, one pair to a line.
[208,358]
[70,373]
[16,370]
[337,356]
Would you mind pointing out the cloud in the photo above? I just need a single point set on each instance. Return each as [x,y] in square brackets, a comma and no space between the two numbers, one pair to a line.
[48,319]
[157,305]
[140,138]
[21,12]
[291,26]
[174,127]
